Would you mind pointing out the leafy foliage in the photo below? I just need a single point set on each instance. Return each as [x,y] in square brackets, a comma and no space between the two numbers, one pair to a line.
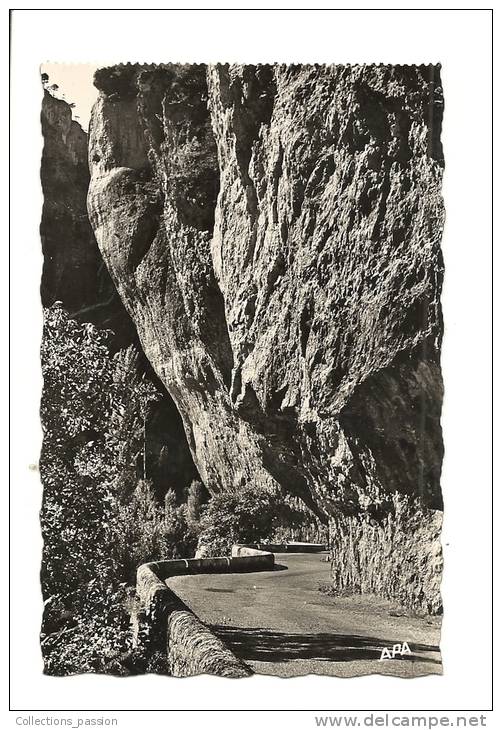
[92,411]
[99,519]
[197,496]
[250,514]
[100,515]
[149,531]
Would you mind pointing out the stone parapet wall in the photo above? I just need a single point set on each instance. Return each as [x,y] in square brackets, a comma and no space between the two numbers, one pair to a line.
[166,625]
[194,649]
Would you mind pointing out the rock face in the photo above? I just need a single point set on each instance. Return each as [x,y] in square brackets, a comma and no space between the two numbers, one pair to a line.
[75,274]
[73,270]
[398,557]
[274,232]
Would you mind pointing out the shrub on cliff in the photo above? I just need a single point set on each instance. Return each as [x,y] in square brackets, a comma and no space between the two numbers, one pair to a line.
[118,80]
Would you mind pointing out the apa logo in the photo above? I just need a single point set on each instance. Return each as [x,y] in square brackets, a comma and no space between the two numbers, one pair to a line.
[397,650]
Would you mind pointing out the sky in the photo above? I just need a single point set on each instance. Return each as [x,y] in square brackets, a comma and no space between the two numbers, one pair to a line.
[75,85]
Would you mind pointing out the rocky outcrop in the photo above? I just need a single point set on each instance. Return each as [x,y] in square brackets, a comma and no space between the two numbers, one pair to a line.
[274,232]
[398,558]
[73,269]
[75,274]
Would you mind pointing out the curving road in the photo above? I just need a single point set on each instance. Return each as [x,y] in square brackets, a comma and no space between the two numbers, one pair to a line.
[279,622]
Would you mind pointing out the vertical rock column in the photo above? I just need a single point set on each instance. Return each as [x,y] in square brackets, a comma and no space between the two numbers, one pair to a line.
[151,203]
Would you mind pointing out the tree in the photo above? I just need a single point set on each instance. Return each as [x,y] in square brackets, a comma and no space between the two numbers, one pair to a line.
[197,496]
[98,521]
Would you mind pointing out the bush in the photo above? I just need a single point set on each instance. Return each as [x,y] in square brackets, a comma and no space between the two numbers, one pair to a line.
[249,514]
[118,80]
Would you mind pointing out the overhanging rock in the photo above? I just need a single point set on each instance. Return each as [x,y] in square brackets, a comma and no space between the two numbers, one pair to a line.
[274,232]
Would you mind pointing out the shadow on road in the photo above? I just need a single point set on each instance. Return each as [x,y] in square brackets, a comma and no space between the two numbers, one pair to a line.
[262,645]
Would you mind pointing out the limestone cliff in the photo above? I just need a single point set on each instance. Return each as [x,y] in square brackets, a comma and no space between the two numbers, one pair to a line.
[73,270]
[75,274]
[274,232]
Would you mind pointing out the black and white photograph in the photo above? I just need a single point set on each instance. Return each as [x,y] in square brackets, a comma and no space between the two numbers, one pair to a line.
[251,376]
[242,390]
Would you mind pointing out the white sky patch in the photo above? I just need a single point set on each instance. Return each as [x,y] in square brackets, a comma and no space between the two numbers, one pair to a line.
[75,86]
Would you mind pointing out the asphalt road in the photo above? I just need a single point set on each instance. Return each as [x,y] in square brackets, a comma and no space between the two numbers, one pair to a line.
[280,623]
